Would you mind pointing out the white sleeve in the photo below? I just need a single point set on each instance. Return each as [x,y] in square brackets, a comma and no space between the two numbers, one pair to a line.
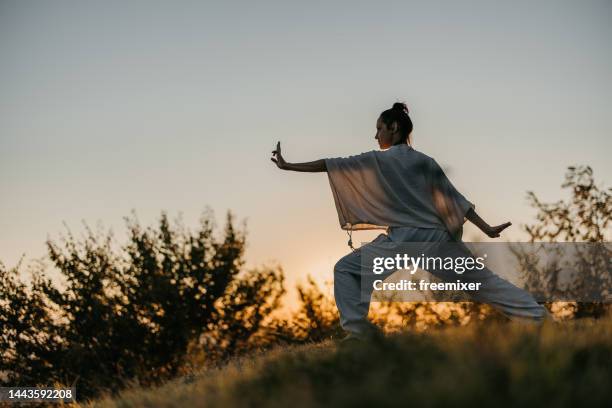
[450,204]
[348,177]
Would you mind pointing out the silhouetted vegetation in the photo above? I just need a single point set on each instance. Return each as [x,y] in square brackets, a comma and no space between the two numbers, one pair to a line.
[585,217]
[315,320]
[131,314]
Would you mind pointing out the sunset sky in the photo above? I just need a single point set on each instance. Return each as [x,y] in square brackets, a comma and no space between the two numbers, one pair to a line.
[111,106]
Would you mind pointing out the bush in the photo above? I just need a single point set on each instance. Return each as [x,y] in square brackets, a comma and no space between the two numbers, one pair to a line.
[131,313]
[585,217]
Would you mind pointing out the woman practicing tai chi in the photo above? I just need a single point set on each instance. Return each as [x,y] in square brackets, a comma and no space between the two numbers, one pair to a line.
[406,193]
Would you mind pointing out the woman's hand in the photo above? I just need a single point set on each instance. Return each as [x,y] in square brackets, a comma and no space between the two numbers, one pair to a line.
[278,157]
[493,232]
[311,167]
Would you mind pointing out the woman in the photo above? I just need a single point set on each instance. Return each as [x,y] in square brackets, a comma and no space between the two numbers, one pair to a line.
[406,193]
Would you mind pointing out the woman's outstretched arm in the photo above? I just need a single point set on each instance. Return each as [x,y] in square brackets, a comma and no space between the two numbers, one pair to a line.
[313,166]
[492,232]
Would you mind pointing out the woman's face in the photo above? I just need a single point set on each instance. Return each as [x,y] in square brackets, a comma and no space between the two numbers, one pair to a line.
[386,136]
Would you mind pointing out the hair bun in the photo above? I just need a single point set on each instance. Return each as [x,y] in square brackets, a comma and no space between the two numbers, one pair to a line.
[400,106]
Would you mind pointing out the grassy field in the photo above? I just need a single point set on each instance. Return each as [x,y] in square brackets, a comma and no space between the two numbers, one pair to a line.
[562,365]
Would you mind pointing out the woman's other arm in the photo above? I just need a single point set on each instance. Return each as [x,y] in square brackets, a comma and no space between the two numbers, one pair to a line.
[313,166]
[492,232]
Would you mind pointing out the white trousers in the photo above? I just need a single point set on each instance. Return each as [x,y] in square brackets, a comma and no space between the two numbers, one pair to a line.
[512,301]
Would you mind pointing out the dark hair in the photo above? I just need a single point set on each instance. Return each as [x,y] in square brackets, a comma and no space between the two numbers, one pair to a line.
[398,113]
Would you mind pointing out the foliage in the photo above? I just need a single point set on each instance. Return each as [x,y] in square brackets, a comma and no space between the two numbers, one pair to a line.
[315,319]
[585,217]
[130,314]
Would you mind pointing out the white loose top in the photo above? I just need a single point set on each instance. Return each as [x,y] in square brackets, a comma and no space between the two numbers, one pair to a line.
[395,187]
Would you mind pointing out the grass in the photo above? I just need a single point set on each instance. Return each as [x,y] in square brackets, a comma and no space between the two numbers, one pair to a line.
[502,364]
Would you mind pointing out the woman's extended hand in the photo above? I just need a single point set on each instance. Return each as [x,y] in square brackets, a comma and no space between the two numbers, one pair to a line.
[278,157]
[494,232]
[311,167]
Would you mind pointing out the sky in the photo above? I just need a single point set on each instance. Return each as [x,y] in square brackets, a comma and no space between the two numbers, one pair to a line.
[108,107]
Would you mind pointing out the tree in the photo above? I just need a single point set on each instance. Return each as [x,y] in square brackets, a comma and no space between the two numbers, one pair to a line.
[584,217]
[130,314]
